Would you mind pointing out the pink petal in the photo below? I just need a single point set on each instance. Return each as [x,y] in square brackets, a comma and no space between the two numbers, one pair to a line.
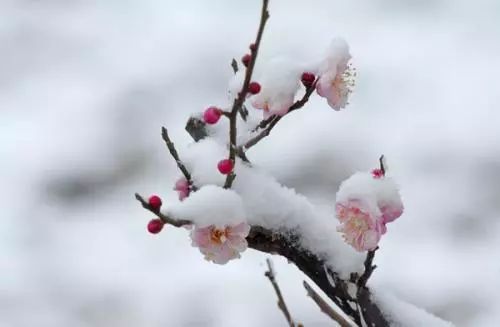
[370,240]
[391,213]
[181,185]
[238,243]
[201,236]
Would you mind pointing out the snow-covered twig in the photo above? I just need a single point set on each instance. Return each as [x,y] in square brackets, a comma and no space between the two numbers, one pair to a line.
[270,274]
[240,99]
[325,307]
[270,122]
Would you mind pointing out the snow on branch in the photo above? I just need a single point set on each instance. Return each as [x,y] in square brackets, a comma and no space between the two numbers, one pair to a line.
[229,205]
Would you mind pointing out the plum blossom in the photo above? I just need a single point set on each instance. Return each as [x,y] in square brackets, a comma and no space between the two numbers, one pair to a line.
[221,244]
[361,228]
[182,188]
[336,75]
[366,203]
[279,84]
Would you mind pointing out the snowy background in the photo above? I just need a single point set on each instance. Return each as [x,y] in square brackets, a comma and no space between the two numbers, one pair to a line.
[86,85]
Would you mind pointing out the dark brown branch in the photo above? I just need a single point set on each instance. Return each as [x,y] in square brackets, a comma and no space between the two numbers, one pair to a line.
[264,240]
[281,302]
[369,268]
[267,241]
[325,307]
[166,219]
[263,123]
[240,99]
[175,155]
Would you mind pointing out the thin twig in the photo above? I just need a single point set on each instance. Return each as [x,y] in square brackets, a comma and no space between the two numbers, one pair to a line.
[369,268]
[240,99]
[382,166]
[325,307]
[281,302]
[166,219]
[175,155]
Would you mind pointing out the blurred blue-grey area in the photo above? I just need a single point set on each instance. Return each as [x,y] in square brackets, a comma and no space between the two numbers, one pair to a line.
[85,86]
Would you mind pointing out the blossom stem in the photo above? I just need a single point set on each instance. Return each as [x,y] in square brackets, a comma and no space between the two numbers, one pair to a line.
[240,99]
[369,268]
[382,166]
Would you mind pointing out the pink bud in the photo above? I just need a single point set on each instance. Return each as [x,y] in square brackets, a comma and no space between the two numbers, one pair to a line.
[155,226]
[254,87]
[155,202]
[246,59]
[225,166]
[182,188]
[212,115]
[308,79]
[377,173]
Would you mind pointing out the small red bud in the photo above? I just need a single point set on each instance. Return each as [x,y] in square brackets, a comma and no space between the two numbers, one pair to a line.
[225,166]
[308,79]
[252,47]
[377,173]
[212,115]
[246,59]
[155,202]
[254,87]
[155,226]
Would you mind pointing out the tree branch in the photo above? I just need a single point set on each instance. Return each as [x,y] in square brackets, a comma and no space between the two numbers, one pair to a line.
[240,99]
[325,307]
[369,268]
[268,241]
[270,122]
[175,155]
[166,219]
[281,301]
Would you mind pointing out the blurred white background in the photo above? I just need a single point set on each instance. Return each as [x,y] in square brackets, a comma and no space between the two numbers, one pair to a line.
[86,85]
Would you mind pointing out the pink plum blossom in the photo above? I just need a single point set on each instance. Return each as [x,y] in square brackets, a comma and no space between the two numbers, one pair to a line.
[221,244]
[336,76]
[366,203]
[182,188]
[361,229]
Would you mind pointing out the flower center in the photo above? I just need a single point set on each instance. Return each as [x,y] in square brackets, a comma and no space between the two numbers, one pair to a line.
[218,236]
[344,82]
